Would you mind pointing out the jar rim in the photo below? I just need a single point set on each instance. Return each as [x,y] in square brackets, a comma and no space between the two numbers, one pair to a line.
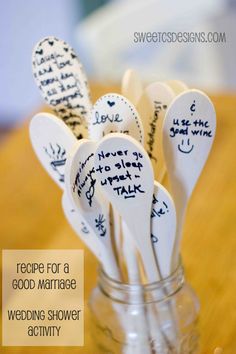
[116,289]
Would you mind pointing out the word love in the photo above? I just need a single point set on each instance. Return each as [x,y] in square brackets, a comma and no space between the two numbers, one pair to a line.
[103,118]
[113,113]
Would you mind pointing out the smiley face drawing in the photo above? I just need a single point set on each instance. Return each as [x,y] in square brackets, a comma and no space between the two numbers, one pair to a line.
[185,147]
[188,133]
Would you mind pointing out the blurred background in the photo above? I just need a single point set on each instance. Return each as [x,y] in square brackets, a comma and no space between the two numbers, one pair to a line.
[102,33]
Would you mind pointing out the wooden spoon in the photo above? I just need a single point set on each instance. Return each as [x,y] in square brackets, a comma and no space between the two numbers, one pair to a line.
[52,140]
[131,86]
[125,174]
[85,233]
[188,133]
[113,113]
[152,107]
[86,197]
[163,228]
[177,86]
[61,79]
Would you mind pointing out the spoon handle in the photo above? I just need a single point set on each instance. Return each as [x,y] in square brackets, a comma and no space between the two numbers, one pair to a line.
[145,248]
[130,256]
[180,213]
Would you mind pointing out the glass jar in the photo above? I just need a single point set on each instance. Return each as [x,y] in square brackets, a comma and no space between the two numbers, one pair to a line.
[157,318]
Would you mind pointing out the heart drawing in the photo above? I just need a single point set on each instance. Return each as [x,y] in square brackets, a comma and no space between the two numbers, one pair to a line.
[110,103]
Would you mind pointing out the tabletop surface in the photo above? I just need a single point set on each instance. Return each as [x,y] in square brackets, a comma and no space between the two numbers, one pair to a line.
[31,217]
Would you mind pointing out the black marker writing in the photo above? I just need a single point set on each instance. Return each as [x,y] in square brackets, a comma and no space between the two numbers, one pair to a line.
[57,154]
[185,147]
[129,192]
[187,129]
[60,78]
[109,131]
[84,228]
[158,108]
[103,118]
[116,178]
[85,180]
[100,223]
[154,239]
[159,208]
[122,172]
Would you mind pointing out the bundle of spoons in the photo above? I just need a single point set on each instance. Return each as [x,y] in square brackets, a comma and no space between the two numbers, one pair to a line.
[112,158]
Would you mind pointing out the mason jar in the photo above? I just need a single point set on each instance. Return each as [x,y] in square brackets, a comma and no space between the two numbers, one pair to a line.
[157,318]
